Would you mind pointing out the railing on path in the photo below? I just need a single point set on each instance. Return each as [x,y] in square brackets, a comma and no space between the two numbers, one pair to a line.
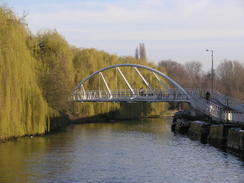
[127,96]
[231,110]
[230,103]
[226,110]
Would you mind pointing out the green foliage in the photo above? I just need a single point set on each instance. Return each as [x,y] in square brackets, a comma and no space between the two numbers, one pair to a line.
[55,69]
[23,109]
[38,74]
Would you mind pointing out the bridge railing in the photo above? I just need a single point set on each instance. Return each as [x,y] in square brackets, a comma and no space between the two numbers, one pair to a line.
[232,116]
[209,108]
[124,94]
[229,102]
[195,96]
[213,110]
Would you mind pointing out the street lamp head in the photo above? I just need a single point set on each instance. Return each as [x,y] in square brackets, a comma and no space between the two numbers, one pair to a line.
[209,50]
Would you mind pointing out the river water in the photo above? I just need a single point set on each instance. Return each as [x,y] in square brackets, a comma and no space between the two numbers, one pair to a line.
[139,151]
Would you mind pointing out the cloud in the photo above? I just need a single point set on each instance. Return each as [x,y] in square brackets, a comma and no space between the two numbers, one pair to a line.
[119,26]
[179,20]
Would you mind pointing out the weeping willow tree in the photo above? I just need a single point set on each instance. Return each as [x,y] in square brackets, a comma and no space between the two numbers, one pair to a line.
[55,74]
[55,68]
[23,109]
[39,72]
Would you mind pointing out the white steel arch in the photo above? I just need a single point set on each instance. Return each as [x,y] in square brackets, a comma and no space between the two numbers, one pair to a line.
[134,65]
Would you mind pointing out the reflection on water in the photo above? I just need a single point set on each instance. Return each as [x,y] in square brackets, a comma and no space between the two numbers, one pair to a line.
[126,151]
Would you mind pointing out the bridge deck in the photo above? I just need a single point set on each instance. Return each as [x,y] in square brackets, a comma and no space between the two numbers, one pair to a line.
[128,96]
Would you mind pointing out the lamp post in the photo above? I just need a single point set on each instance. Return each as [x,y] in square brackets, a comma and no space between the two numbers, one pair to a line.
[212,71]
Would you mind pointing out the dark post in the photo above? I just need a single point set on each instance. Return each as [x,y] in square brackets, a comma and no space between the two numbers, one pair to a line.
[212,71]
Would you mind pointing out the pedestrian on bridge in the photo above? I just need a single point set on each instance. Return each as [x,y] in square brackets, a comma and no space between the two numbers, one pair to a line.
[141,91]
[207,95]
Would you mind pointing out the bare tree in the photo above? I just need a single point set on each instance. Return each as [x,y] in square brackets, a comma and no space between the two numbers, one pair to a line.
[194,71]
[176,71]
[22,18]
[227,80]
[231,74]
[207,80]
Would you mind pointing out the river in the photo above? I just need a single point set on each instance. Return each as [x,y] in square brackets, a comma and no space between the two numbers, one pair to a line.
[139,151]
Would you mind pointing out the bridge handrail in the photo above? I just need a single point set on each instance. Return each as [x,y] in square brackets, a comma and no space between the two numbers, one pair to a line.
[127,94]
[207,107]
[225,100]
[232,116]
[195,97]
[229,101]
[211,109]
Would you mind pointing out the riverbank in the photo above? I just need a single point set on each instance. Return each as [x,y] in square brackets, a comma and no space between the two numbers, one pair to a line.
[91,119]
[65,120]
[107,119]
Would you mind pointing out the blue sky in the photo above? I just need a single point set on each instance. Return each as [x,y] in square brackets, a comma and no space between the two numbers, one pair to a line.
[180,30]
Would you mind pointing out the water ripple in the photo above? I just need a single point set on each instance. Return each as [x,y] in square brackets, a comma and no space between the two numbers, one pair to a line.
[139,151]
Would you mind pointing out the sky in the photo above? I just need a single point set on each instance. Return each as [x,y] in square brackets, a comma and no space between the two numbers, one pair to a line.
[180,30]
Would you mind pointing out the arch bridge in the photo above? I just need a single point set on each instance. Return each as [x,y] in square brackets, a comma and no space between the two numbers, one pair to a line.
[145,84]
